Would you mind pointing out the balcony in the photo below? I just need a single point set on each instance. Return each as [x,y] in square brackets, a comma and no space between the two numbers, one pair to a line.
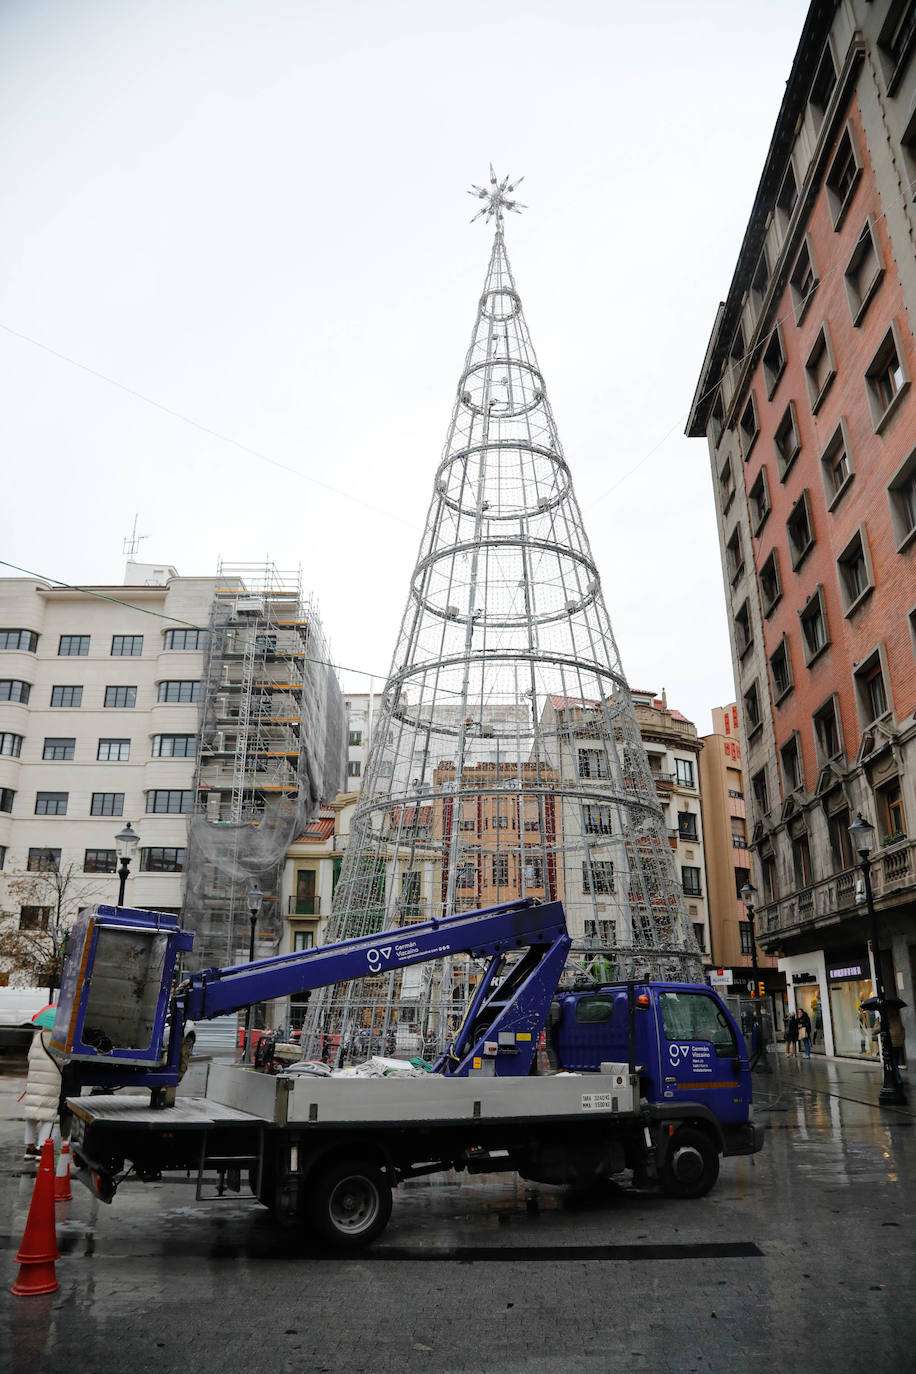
[893,873]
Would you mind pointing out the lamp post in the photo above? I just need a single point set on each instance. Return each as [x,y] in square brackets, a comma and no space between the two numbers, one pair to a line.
[254,899]
[126,842]
[748,893]
[892,1094]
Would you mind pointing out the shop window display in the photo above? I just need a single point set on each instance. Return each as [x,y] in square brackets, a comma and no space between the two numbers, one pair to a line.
[853,1027]
[808,998]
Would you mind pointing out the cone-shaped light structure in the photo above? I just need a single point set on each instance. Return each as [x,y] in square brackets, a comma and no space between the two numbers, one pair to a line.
[506,760]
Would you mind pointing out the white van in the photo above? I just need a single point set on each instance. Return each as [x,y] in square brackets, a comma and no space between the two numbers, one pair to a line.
[17,1007]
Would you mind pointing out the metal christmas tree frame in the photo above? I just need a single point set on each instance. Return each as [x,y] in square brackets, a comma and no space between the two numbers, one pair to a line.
[506,760]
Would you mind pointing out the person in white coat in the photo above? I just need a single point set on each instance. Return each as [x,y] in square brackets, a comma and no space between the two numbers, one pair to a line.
[41,1099]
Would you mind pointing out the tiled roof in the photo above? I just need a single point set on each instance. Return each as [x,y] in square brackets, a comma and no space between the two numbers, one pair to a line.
[318,831]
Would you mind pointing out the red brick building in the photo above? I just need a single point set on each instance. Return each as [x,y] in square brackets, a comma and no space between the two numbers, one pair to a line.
[807,404]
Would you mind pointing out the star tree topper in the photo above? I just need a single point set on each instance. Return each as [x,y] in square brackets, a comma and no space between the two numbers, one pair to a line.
[497,199]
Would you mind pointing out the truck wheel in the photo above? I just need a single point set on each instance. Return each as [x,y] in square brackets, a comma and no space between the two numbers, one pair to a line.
[350,1204]
[691,1166]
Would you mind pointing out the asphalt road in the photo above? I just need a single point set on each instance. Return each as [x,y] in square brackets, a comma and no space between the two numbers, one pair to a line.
[802,1257]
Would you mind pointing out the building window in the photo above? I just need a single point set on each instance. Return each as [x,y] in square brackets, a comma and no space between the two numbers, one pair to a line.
[827,737]
[353,768]
[897,41]
[770,584]
[303,939]
[500,868]
[871,690]
[836,465]
[10,744]
[739,832]
[162,859]
[184,691]
[174,746]
[863,272]
[34,917]
[184,639]
[687,825]
[355,737]
[73,646]
[746,937]
[901,495]
[466,875]
[690,881]
[781,670]
[734,555]
[890,810]
[803,282]
[120,696]
[174,802]
[752,709]
[813,621]
[749,427]
[55,748]
[683,772]
[760,282]
[2,855]
[43,861]
[760,499]
[887,378]
[126,646]
[7,796]
[774,362]
[822,87]
[113,750]
[855,572]
[66,696]
[597,877]
[744,636]
[100,861]
[726,486]
[793,772]
[11,689]
[26,640]
[800,530]
[742,876]
[107,804]
[787,198]
[716,420]
[737,351]
[840,843]
[51,803]
[699,934]
[843,177]
[597,820]
[820,368]
[592,763]
[801,861]
[787,440]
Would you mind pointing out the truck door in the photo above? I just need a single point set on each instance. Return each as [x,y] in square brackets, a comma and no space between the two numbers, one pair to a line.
[703,1057]
[592,1029]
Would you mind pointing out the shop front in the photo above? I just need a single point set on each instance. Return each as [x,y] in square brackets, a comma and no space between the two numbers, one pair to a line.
[849,984]
[809,998]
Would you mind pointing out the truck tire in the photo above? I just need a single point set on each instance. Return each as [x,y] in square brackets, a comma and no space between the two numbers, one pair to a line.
[691,1165]
[350,1204]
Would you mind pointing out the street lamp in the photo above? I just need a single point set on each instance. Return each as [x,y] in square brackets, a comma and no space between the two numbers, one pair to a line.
[748,893]
[253,900]
[892,1094]
[126,842]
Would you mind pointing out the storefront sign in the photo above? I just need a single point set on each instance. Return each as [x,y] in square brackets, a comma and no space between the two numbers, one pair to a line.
[720,977]
[836,975]
[804,978]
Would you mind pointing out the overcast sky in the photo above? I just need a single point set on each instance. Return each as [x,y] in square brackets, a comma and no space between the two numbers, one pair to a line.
[254,213]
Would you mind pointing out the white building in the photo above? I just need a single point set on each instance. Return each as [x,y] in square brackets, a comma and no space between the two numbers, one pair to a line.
[98,726]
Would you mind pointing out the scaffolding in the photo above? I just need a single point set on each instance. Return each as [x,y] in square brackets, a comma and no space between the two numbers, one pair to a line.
[506,760]
[272,747]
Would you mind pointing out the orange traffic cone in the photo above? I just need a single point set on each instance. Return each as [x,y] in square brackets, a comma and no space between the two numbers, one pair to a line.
[38,1249]
[62,1177]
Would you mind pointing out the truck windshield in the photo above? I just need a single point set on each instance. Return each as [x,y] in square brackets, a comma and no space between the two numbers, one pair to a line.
[694,1016]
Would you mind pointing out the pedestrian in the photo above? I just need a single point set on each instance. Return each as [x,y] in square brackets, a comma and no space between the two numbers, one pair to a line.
[804,1032]
[41,1099]
[792,1034]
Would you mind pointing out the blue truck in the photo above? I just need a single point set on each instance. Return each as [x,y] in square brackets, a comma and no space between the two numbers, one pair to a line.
[647,1077]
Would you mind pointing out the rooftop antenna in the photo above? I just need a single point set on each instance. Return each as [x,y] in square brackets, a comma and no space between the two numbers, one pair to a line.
[131,545]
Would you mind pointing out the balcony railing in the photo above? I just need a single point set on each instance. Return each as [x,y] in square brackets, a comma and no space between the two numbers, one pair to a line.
[893,871]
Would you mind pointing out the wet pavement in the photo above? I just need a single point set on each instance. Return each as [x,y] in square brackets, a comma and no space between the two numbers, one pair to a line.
[803,1256]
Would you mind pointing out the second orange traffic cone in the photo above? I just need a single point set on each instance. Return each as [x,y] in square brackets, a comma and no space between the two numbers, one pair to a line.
[38,1249]
[62,1191]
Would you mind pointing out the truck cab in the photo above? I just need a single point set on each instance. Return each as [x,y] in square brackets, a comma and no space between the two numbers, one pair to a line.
[683,1042]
